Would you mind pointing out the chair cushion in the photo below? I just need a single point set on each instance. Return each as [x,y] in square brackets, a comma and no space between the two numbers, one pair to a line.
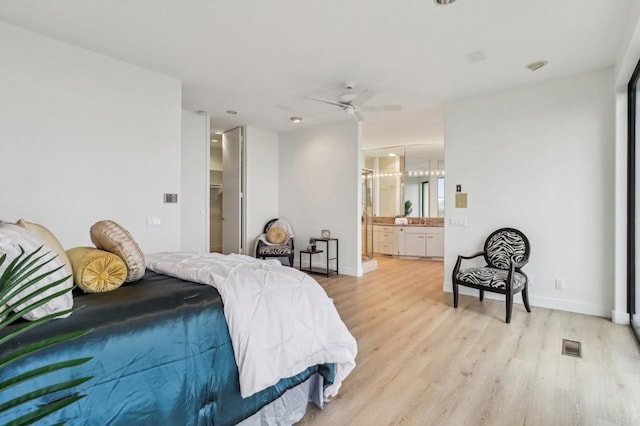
[503,246]
[282,249]
[490,277]
[276,235]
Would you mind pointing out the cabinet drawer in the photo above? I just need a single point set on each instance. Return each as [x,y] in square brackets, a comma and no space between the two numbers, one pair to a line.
[382,228]
[386,248]
[416,230]
[385,237]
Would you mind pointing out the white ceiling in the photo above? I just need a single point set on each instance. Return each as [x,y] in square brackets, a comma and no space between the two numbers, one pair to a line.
[262,57]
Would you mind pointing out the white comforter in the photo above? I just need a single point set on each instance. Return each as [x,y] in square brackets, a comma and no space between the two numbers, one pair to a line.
[280,319]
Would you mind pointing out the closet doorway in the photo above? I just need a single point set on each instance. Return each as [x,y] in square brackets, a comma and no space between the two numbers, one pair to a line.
[215,194]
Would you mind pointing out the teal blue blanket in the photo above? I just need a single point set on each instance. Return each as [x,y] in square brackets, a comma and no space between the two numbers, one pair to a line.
[162,355]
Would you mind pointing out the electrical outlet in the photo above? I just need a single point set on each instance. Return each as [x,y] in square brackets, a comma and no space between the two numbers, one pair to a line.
[560,285]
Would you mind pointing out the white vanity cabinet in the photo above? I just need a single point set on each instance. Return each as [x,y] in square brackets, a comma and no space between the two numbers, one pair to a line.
[420,241]
[383,239]
[414,241]
[435,242]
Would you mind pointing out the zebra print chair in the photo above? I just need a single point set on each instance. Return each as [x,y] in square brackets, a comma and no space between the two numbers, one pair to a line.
[506,251]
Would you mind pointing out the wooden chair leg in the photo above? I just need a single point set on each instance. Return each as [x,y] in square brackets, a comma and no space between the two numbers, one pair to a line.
[481,295]
[525,297]
[455,294]
[509,306]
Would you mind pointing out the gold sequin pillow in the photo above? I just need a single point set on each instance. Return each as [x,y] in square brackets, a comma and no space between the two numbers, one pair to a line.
[276,235]
[95,270]
[109,236]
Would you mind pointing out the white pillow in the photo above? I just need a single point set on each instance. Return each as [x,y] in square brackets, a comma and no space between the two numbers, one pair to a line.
[11,238]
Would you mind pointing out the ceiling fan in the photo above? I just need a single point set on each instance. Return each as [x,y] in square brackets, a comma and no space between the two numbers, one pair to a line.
[352,103]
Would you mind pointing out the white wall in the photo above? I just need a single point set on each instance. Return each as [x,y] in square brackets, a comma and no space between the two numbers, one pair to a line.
[320,187]
[84,138]
[540,158]
[262,162]
[193,199]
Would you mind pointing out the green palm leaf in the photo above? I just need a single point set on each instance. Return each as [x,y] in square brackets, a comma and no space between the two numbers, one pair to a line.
[21,274]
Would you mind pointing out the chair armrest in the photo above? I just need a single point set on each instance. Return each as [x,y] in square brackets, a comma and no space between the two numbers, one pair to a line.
[459,262]
[480,253]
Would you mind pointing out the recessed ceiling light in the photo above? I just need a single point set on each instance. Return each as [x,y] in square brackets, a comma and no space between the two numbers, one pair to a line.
[534,66]
[232,112]
[296,119]
[217,133]
[444,2]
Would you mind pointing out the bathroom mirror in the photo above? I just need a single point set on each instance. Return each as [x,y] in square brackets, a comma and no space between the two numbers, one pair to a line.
[407,180]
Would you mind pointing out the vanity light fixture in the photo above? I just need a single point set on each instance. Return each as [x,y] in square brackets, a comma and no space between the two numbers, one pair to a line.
[295,119]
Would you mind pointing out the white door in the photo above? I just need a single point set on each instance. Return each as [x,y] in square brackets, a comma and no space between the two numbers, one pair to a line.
[232,203]
[195,182]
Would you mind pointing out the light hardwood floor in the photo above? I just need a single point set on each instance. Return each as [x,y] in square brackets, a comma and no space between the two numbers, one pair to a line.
[422,362]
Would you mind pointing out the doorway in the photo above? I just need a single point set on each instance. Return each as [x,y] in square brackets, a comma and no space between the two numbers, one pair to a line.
[215,194]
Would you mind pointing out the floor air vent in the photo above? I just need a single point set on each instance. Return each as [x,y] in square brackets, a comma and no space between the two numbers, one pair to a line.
[571,348]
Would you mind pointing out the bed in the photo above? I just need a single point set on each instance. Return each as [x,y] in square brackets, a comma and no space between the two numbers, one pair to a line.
[163,354]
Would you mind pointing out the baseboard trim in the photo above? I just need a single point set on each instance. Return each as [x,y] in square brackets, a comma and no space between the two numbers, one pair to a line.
[542,302]
[344,270]
[619,317]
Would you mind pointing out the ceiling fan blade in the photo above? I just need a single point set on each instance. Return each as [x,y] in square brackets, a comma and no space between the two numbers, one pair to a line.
[363,97]
[381,108]
[338,104]
[357,116]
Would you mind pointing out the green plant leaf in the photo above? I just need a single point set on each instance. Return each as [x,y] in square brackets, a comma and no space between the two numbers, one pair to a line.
[42,412]
[23,272]
[18,314]
[27,350]
[31,324]
[42,370]
[42,392]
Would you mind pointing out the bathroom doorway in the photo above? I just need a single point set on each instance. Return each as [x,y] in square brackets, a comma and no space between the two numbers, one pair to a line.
[368,262]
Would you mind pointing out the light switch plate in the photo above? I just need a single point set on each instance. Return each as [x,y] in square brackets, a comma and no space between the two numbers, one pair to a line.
[458,221]
[154,222]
